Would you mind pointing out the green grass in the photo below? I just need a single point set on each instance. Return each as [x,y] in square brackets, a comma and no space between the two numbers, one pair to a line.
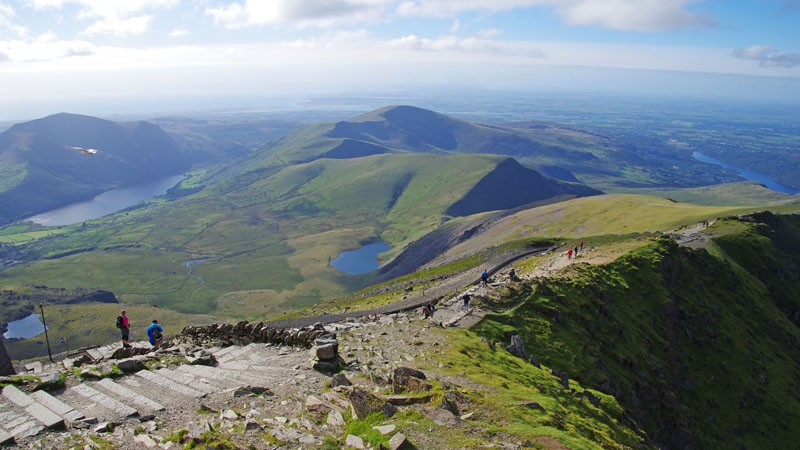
[680,328]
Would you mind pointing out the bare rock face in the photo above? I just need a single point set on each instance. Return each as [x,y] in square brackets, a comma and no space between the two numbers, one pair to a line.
[517,347]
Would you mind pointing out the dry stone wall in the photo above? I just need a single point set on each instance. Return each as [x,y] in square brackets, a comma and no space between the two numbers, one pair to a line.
[245,332]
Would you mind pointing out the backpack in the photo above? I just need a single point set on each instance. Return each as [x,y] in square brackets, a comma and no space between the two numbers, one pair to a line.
[119,322]
[157,333]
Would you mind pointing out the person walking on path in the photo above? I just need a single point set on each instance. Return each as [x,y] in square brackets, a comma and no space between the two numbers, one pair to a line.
[124,326]
[569,253]
[156,334]
[485,278]
[466,299]
[581,244]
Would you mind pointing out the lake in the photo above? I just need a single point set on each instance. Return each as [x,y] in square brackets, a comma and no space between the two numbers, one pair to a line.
[25,328]
[751,175]
[362,260]
[106,203]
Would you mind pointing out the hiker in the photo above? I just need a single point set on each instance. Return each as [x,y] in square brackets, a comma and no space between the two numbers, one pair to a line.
[512,274]
[466,299]
[569,253]
[581,244]
[428,310]
[485,278]
[576,251]
[156,334]
[124,326]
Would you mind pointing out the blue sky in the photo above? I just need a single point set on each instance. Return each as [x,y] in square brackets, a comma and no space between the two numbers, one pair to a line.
[64,53]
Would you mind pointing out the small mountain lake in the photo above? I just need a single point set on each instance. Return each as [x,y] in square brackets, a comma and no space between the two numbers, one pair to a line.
[106,203]
[362,260]
[25,328]
[751,175]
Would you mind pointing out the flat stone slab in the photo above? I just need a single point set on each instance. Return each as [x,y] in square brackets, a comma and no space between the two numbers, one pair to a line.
[189,380]
[95,354]
[104,400]
[6,438]
[17,422]
[17,397]
[121,391]
[169,384]
[36,410]
[35,367]
[57,406]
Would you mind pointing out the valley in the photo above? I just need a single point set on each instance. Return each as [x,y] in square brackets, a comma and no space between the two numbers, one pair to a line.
[678,254]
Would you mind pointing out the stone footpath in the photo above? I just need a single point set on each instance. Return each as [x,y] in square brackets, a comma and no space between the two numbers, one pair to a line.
[144,394]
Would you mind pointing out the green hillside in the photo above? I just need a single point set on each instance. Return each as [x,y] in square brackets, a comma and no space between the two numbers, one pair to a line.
[42,166]
[700,347]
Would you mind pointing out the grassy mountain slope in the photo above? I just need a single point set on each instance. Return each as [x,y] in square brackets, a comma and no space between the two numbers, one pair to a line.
[41,171]
[698,347]
[266,245]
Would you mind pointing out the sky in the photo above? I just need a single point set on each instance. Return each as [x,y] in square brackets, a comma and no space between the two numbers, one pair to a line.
[120,55]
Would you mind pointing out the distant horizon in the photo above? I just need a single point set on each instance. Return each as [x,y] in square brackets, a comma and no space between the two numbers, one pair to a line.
[642,85]
[100,57]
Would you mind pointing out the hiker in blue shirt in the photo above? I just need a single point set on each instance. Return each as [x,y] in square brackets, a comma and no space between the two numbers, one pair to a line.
[156,334]
[485,278]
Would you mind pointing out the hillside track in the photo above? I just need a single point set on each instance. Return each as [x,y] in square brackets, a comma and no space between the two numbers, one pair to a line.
[454,283]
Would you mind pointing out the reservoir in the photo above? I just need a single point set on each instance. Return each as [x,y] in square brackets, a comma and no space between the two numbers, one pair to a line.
[762,178]
[363,260]
[106,203]
[25,328]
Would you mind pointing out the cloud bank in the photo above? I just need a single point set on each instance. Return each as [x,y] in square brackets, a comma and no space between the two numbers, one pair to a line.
[768,56]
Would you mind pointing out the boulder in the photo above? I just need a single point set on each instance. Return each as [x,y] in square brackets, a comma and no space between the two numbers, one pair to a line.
[402,375]
[132,365]
[340,379]
[397,442]
[517,347]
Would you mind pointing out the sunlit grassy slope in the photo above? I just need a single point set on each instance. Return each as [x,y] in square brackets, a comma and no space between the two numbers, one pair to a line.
[687,340]
[730,194]
[266,244]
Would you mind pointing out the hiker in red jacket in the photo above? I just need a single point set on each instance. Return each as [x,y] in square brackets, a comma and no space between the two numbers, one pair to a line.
[569,254]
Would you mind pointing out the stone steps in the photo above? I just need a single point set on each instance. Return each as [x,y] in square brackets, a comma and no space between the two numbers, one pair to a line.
[237,352]
[57,406]
[6,438]
[117,408]
[143,404]
[35,409]
[221,374]
[193,381]
[17,423]
[169,384]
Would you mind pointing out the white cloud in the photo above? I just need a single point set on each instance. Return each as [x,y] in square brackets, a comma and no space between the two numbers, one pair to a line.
[768,56]
[114,17]
[627,15]
[7,13]
[482,42]
[330,41]
[299,13]
[179,33]
[47,49]
[120,27]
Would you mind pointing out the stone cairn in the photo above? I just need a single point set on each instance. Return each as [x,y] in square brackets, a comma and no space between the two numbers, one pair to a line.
[324,343]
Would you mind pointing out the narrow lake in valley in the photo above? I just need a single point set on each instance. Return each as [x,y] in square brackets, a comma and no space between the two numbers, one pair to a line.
[106,203]
[362,260]
[751,175]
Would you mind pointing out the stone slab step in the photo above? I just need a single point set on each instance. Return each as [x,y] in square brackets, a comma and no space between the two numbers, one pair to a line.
[238,352]
[6,438]
[190,380]
[17,422]
[95,354]
[224,351]
[139,400]
[221,374]
[169,384]
[57,406]
[38,411]
[35,367]
[104,400]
